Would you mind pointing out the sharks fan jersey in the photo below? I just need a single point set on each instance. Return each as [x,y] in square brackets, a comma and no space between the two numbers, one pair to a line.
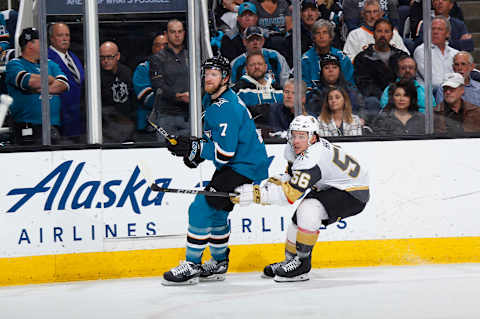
[324,165]
[232,138]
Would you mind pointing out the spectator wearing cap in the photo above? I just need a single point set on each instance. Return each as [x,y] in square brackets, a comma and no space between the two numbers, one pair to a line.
[359,39]
[310,13]
[253,39]
[24,85]
[454,115]
[375,66]
[323,33]
[463,64]
[257,86]
[331,76]
[232,41]
[407,70]
[71,112]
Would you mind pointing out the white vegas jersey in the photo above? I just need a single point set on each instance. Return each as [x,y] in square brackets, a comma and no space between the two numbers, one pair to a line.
[324,165]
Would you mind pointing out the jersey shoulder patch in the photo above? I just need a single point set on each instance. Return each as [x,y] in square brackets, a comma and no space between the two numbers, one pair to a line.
[220,101]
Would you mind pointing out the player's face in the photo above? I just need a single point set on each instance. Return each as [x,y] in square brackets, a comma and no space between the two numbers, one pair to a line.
[462,65]
[299,141]
[256,67]
[331,73]
[213,80]
[336,102]
[322,38]
[60,38]
[400,99]
[310,15]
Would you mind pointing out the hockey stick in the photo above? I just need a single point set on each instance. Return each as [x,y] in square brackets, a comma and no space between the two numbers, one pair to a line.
[164,133]
[145,171]
[154,187]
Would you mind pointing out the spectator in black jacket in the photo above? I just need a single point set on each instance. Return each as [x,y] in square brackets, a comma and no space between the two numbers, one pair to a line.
[170,82]
[117,96]
[375,66]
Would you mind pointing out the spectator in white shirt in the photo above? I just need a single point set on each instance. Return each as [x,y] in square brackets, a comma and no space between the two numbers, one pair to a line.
[442,54]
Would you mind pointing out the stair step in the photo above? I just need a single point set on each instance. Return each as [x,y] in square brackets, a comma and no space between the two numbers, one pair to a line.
[476,56]
[476,39]
[473,24]
[470,9]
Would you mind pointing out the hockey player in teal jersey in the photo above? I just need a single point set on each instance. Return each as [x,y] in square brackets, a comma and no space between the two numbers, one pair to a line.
[231,141]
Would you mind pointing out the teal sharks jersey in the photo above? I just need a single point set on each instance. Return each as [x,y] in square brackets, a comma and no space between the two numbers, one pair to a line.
[232,137]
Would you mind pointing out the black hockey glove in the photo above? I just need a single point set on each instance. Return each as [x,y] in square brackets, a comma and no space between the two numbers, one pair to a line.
[189,148]
[183,145]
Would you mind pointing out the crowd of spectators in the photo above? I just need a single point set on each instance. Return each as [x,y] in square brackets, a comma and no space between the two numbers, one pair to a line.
[363,72]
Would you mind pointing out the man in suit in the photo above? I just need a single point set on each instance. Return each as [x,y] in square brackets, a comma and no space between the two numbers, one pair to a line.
[71,112]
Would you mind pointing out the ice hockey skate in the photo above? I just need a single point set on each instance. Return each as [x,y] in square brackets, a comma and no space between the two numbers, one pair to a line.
[296,269]
[269,270]
[213,270]
[187,273]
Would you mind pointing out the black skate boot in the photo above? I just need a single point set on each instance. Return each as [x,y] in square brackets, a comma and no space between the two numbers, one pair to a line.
[295,270]
[186,273]
[269,270]
[213,270]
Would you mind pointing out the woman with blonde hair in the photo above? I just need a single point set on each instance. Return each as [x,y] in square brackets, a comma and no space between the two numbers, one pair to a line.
[336,118]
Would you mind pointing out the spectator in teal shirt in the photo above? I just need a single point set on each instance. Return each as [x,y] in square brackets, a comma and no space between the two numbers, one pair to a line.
[407,69]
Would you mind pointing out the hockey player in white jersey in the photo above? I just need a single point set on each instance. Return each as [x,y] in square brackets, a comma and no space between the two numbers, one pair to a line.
[338,186]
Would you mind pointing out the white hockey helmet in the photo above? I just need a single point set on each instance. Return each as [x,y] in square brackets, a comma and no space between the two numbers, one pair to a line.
[304,123]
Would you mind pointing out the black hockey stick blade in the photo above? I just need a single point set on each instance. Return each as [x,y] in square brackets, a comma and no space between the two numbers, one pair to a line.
[156,188]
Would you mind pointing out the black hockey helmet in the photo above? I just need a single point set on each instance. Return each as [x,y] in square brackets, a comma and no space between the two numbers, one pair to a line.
[217,63]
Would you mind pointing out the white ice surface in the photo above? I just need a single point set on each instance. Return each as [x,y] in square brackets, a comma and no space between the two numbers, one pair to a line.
[410,292]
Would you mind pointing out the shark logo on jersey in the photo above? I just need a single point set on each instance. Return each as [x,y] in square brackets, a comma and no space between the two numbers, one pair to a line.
[220,101]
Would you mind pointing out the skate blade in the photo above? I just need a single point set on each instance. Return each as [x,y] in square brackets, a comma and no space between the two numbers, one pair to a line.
[266,277]
[217,277]
[303,277]
[190,282]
